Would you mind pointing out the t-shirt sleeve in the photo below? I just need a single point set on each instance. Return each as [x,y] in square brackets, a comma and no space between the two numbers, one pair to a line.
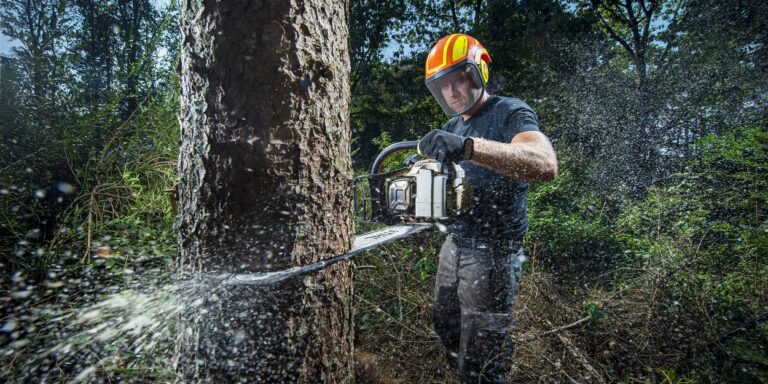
[520,119]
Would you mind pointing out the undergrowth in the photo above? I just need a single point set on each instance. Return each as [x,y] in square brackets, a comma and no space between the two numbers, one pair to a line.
[668,289]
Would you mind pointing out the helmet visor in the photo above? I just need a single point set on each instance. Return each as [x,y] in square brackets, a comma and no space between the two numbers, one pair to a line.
[458,90]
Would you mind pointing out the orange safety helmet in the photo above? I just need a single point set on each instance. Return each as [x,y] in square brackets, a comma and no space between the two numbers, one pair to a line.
[456,72]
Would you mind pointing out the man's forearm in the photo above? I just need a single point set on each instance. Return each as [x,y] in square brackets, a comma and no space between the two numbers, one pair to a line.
[523,161]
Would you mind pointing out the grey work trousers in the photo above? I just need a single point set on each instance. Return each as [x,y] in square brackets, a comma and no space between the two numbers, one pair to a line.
[472,311]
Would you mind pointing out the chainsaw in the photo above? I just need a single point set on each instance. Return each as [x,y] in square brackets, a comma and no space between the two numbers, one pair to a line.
[420,191]
[409,200]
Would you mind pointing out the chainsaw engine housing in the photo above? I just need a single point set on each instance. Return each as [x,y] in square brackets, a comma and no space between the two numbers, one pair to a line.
[422,191]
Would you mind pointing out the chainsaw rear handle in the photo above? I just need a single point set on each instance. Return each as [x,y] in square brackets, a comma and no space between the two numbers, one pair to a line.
[401,146]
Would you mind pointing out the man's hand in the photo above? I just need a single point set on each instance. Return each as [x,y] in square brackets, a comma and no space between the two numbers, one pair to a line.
[445,147]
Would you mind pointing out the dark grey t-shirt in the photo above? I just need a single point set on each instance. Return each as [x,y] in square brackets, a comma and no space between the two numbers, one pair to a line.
[498,212]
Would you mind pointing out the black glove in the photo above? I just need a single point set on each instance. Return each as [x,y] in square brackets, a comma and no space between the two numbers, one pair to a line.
[445,147]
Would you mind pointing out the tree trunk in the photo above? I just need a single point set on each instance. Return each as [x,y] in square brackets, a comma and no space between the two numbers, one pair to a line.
[264,185]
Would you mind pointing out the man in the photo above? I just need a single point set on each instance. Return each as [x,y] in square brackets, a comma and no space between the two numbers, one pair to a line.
[498,143]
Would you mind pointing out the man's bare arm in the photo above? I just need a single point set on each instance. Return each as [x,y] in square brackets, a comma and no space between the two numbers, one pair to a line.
[529,156]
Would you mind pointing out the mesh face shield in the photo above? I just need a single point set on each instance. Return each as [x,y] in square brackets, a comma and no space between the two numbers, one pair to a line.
[458,89]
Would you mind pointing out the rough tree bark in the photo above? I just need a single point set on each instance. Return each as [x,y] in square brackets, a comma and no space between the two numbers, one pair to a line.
[264,185]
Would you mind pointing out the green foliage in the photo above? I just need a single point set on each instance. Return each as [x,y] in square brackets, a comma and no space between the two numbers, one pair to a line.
[718,205]
[569,228]
[706,231]
[594,312]
[524,64]
[91,152]
[392,105]
[670,377]
[425,267]
[126,197]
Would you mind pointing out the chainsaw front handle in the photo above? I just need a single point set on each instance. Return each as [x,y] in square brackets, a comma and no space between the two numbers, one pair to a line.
[401,146]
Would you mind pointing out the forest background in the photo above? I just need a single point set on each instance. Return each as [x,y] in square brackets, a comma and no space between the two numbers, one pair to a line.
[646,256]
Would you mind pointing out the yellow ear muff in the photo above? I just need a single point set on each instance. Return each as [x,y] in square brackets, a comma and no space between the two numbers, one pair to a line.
[484,71]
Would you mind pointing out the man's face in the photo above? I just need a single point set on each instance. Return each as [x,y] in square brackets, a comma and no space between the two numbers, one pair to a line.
[458,89]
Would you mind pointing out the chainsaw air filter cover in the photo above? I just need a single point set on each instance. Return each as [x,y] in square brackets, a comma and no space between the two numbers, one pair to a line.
[399,195]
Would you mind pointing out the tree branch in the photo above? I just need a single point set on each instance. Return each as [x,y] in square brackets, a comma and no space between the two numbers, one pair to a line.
[672,26]
[616,37]
[648,17]
[453,14]
[529,337]
[564,327]
[634,27]
[478,8]
[616,14]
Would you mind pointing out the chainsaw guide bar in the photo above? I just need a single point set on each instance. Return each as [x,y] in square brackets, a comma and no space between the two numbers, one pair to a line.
[362,243]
